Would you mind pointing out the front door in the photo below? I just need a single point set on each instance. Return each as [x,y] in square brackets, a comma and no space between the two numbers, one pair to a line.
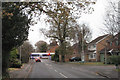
[102,57]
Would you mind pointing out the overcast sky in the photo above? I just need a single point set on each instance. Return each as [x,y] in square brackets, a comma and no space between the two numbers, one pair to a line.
[94,20]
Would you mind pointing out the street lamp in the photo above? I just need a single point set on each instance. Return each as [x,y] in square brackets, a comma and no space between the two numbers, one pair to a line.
[20,54]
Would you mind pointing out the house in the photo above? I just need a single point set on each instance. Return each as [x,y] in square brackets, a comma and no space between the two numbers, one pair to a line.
[112,48]
[95,46]
[76,50]
[51,48]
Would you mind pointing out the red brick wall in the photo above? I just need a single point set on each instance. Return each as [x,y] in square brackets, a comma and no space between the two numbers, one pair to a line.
[101,45]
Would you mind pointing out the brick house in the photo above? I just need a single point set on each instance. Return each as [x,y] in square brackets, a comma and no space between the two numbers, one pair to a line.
[52,47]
[95,46]
[76,51]
[112,48]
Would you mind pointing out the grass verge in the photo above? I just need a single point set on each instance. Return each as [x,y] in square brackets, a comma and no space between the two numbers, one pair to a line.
[12,69]
[90,63]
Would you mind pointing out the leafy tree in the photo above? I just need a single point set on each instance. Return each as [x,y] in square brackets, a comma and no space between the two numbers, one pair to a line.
[15,27]
[41,46]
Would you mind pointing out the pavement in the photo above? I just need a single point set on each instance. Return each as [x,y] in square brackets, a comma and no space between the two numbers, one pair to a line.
[22,72]
[107,71]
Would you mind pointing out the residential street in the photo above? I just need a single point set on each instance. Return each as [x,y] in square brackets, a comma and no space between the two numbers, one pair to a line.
[49,69]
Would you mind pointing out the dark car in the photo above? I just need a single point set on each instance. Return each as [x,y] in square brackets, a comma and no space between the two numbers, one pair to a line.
[37,59]
[75,59]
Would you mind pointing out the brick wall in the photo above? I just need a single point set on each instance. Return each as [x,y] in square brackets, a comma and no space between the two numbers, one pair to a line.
[101,45]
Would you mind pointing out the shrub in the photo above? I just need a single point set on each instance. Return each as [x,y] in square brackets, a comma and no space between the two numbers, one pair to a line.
[53,57]
[14,62]
[113,59]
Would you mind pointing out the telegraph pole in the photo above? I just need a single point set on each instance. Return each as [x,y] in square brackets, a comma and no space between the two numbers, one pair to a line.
[82,55]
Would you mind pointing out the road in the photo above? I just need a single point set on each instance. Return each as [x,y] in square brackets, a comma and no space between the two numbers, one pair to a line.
[49,69]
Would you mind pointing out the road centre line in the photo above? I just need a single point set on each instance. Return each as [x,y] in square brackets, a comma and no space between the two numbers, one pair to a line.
[63,75]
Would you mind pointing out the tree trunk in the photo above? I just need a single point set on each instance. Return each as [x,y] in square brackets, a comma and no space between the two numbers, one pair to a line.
[5,63]
[62,51]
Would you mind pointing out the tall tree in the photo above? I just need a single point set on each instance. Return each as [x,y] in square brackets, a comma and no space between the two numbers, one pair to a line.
[82,36]
[62,21]
[41,46]
[24,51]
[15,25]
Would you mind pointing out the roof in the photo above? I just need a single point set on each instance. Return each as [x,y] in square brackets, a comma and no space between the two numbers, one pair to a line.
[109,51]
[97,39]
[114,38]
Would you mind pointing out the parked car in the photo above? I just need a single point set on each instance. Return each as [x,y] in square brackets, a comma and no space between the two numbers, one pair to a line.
[75,59]
[37,59]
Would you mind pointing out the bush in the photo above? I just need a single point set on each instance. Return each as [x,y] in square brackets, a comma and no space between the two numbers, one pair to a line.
[113,59]
[53,57]
[15,64]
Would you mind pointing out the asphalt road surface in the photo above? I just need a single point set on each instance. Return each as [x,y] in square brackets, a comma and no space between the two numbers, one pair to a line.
[49,69]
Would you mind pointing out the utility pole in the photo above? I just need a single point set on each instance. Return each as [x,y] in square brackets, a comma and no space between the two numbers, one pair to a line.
[105,54]
[82,55]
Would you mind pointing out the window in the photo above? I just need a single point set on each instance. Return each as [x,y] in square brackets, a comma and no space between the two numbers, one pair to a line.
[94,45]
[92,56]
[110,43]
[116,43]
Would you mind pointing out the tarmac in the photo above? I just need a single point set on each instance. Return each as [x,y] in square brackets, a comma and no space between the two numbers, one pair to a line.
[24,71]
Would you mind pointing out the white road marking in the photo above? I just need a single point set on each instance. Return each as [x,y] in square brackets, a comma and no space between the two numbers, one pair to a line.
[56,71]
[63,75]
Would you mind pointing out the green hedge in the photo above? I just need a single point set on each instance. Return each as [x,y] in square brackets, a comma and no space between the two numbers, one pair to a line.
[113,59]
[53,57]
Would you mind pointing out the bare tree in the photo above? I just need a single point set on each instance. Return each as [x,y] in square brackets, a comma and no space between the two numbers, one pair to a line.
[112,19]
[25,50]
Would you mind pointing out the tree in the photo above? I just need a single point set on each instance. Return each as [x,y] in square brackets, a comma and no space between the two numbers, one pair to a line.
[62,22]
[41,46]
[60,25]
[15,26]
[82,36]
[112,19]
[25,50]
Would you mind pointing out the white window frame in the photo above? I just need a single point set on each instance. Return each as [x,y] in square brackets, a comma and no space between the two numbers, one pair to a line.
[93,56]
